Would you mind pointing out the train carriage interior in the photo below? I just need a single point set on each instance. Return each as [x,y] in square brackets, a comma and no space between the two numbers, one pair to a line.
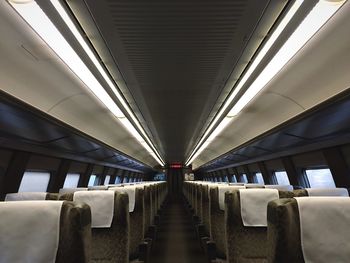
[174,131]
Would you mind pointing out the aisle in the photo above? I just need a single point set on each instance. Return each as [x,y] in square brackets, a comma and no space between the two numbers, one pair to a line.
[176,239]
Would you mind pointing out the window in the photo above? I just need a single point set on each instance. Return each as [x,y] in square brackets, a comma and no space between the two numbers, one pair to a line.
[92,180]
[107,179]
[118,180]
[319,178]
[258,178]
[244,178]
[71,180]
[161,177]
[226,178]
[34,182]
[282,177]
[233,180]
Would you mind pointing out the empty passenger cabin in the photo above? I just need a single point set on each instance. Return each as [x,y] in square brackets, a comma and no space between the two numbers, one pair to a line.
[175,131]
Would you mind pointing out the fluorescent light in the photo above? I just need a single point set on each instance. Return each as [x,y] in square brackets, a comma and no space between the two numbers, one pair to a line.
[62,12]
[317,17]
[212,136]
[200,150]
[127,124]
[42,25]
[291,12]
[219,128]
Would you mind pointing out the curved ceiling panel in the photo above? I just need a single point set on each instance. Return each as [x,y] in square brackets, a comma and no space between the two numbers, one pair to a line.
[31,72]
[318,72]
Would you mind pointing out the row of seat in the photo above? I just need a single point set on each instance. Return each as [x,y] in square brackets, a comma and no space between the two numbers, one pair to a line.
[101,224]
[250,222]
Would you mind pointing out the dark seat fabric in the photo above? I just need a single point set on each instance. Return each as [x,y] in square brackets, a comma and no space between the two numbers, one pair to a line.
[217,227]
[75,233]
[51,196]
[154,209]
[244,244]
[284,241]
[147,207]
[205,209]
[111,244]
[137,224]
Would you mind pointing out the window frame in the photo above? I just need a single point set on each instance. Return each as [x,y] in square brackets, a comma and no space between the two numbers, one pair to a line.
[36,171]
[305,177]
[65,179]
[274,177]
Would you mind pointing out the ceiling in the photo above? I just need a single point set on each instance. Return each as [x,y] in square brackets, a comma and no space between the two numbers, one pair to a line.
[173,59]
[317,73]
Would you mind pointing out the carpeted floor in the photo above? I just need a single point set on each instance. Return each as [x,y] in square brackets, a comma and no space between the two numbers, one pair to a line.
[176,238]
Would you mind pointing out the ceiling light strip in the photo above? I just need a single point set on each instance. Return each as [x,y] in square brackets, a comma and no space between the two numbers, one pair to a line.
[42,25]
[317,17]
[66,18]
[268,44]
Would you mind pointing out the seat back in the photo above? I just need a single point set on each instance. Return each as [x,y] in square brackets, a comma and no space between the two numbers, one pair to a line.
[313,229]
[98,187]
[110,244]
[217,216]
[246,232]
[56,231]
[71,190]
[321,192]
[147,207]
[31,196]
[136,215]
[205,208]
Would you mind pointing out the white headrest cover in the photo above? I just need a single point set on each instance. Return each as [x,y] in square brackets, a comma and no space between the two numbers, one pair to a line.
[324,228]
[131,191]
[280,187]
[72,190]
[29,231]
[254,205]
[327,191]
[223,189]
[26,196]
[101,204]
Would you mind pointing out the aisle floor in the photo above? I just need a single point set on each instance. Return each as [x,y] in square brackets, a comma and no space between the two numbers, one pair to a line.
[176,237]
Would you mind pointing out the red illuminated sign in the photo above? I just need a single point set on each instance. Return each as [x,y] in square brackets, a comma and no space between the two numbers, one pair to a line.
[176,165]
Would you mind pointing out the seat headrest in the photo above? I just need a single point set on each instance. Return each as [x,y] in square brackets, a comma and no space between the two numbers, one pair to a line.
[325,228]
[98,187]
[251,185]
[280,187]
[131,191]
[26,196]
[222,189]
[102,206]
[327,191]
[29,222]
[254,205]
[72,190]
